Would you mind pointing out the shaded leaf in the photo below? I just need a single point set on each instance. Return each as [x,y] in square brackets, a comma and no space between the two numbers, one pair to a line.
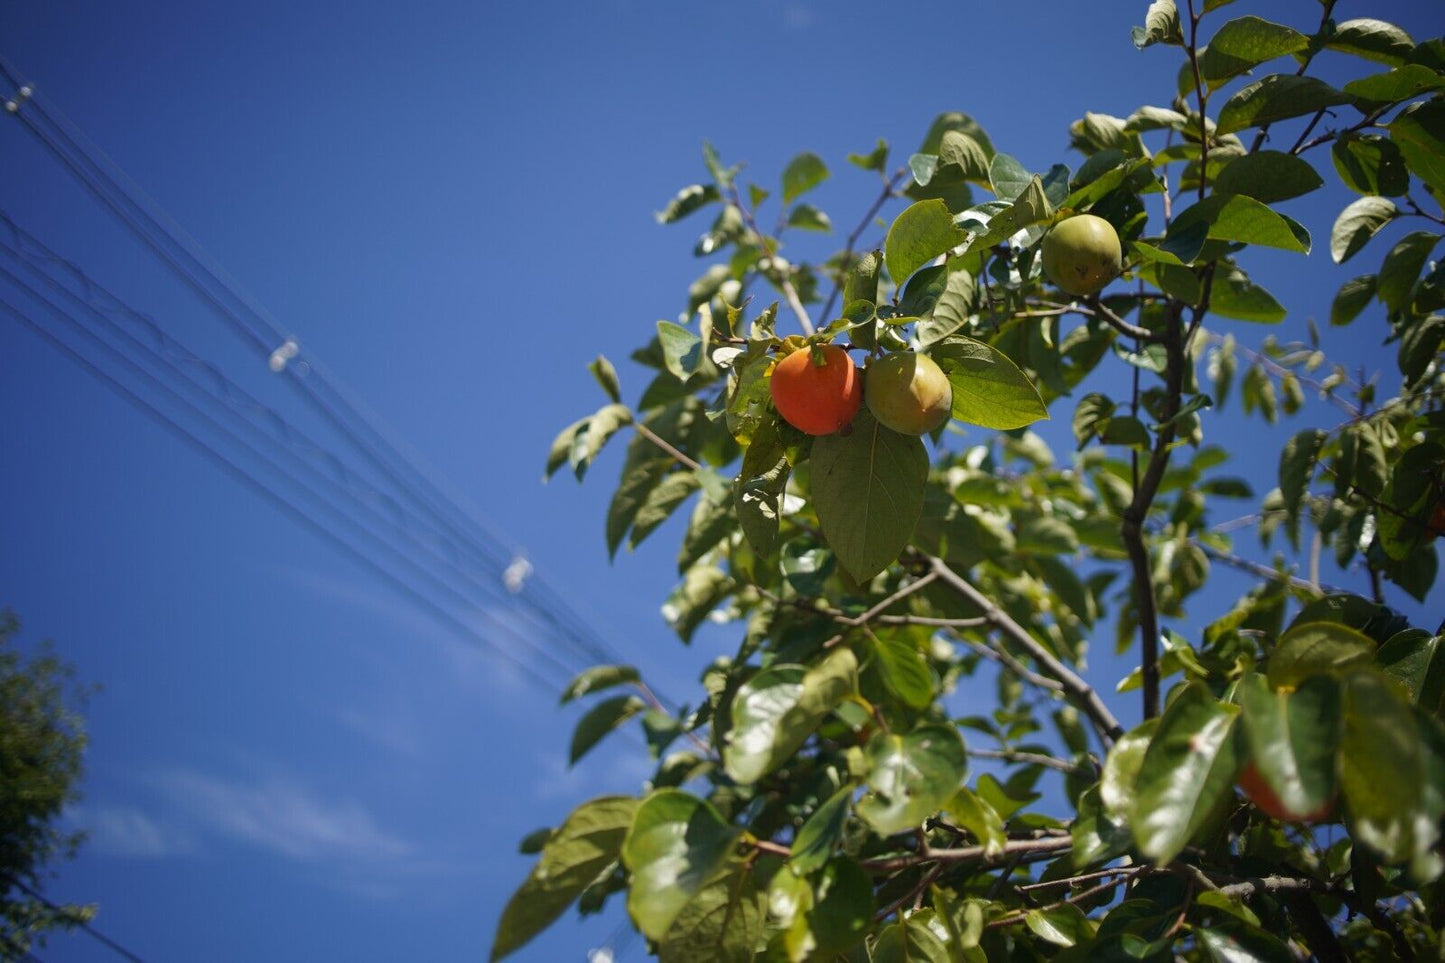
[868,493]
[911,776]
[813,846]
[597,678]
[584,845]
[723,923]
[688,199]
[803,173]
[676,845]
[601,719]
[1276,97]
[1269,176]
[1351,299]
[1372,39]
[1370,164]
[1311,647]
[1419,132]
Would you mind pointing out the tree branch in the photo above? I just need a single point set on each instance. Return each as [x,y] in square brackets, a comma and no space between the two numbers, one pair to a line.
[890,185]
[1031,758]
[1074,686]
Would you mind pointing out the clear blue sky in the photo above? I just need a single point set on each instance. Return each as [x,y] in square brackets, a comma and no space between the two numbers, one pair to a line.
[451,204]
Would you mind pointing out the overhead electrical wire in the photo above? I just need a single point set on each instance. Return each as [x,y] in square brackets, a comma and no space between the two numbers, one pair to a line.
[169,356]
[106,941]
[259,487]
[322,392]
[337,407]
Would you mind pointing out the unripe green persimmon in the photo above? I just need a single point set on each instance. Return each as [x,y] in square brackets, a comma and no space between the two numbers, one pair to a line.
[1082,254]
[907,392]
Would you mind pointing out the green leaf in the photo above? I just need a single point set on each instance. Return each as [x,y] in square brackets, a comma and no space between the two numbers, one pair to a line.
[904,671]
[1237,217]
[959,150]
[803,173]
[606,376]
[688,199]
[760,485]
[1372,39]
[979,818]
[1297,466]
[1064,925]
[676,845]
[918,235]
[1352,298]
[813,846]
[1276,97]
[1390,777]
[1419,132]
[989,390]
[723,923]
[1269,176]
[595,432]
[911,776]
[601,719]
[1097,837]
[842,912]
[1291,738]
[681,349]
[1234,295]
[809,218]
[1402,266]
[776,711]
[1187,773]
[1161,25]
[1407,494]
[660,503]
[951,311]
[1007,177]
[712,521]
[1091,416]
[909,941]
[586,844]
[562,446]
[1358,223]
[1032,206]
[1121,770]
[597,678]
[868,493]
[1232,941]
[1370,164]
[1417,660]
[1396,85]
[702,589]
[874,160]
[1316,647]
[1243,44]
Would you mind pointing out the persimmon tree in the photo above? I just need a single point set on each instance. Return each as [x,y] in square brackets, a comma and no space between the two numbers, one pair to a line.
[815,799]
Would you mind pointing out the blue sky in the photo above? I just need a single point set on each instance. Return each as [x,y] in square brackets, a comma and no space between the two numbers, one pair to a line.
[451,204]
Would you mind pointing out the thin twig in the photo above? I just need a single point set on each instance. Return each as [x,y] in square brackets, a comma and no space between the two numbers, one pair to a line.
[1031,758]
[890,185]
[665,445]
[1007,660]
[1030,849]
[1084,694]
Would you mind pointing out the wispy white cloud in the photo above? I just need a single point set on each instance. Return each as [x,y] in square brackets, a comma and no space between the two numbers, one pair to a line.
[284,817]
[124,831]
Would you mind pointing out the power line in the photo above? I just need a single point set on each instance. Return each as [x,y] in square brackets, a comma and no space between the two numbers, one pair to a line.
[83,924]
[230,392]
[382,452]
[260,488]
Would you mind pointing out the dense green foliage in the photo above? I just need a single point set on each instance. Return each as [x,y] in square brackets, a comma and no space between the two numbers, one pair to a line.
[42,745]
[817,802]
